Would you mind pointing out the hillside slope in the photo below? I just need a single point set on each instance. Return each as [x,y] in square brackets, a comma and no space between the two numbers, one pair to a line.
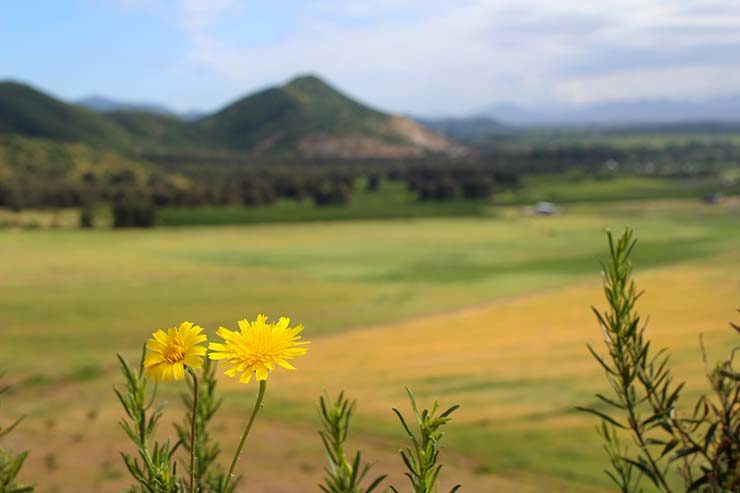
[146,130]
[51,165]
[31,113]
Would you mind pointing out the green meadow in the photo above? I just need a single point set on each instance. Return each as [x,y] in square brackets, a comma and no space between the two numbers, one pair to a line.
[100,286]
[446,305]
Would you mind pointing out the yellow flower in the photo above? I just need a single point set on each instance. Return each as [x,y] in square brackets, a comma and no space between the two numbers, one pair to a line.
[169,352]
[258,347]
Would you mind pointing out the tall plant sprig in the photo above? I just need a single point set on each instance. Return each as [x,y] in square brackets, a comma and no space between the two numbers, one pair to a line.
[342,475]
[716,422]
[643,400]
[154,469]
[421,458]
[210,476]
[710,436]
[706,444]
[10,463]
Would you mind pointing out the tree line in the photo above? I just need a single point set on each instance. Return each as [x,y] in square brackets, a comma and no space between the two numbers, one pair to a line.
[134,197]
[193,180]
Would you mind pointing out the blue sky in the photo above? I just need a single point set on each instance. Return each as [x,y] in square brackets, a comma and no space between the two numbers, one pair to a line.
[419,56]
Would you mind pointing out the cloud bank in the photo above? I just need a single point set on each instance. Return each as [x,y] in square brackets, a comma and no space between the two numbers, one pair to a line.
[443,56]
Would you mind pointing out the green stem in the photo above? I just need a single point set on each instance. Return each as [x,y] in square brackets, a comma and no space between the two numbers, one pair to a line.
[238,453]
[192,429]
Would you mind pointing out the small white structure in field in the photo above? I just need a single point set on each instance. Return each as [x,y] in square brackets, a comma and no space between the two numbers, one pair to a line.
[611,165]
[546,209]
[713,198]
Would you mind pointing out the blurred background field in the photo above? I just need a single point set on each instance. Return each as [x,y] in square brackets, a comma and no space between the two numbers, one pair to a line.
[490,311]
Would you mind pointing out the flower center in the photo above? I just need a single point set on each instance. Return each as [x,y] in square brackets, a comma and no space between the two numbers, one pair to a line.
[173,353]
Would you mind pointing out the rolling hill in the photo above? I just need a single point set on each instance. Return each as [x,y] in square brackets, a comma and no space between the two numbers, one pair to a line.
[312,118]
[147,130]
[305,117]
[31,113]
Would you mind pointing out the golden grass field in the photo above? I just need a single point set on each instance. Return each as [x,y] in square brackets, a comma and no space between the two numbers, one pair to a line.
[515,359]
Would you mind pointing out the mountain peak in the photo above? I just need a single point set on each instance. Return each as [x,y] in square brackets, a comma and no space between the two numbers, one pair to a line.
[303,80]
[309,88]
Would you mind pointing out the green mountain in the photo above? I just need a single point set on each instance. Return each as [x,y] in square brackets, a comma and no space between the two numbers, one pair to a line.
[304,106]
[305,117]
[145,130]
[309,117]
[29,112]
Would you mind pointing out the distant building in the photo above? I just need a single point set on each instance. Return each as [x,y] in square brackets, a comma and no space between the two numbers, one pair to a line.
[713,198]
[546,209]
[611,165]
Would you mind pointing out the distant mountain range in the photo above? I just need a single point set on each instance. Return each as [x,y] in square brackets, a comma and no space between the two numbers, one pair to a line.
[506,119]
[308,117]
[304,117]
[464,128]
[639,112]
[105,105]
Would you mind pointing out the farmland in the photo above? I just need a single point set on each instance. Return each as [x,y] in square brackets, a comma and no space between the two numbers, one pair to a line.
[490,310]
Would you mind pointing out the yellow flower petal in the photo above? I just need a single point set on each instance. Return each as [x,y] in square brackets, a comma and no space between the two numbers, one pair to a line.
[153,359]
[193,362]
[245,377]
[160,336]
[178,371]
[284,364]
[261,373]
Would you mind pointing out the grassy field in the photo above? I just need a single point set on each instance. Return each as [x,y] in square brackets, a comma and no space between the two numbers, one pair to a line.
[490,311]
[391,201]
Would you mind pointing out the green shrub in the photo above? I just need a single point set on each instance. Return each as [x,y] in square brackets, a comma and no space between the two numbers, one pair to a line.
[87,218]
[133,213]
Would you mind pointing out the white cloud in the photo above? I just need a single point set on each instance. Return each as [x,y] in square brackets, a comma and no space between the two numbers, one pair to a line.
[692,82]
[456,56]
